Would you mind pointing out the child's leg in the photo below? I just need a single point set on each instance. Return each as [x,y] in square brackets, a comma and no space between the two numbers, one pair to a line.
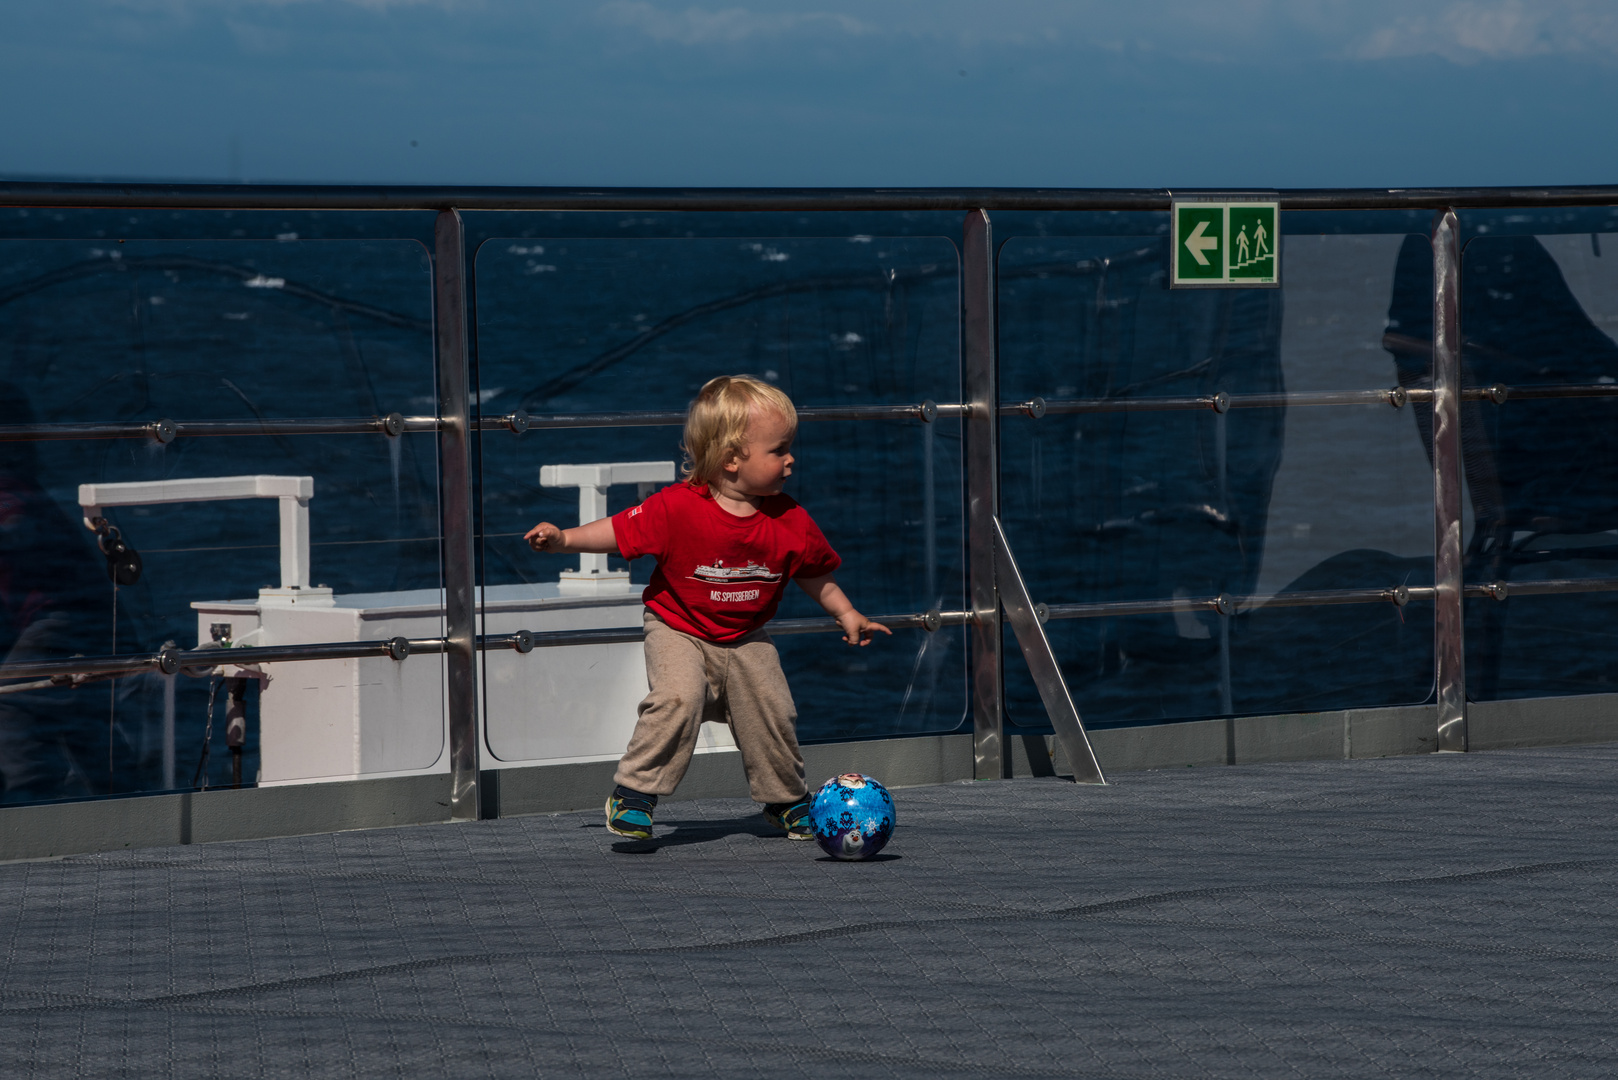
[764,721]
[670,716]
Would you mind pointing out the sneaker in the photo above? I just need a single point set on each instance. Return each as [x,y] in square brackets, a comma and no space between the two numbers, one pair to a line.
[629,813]
[793,817]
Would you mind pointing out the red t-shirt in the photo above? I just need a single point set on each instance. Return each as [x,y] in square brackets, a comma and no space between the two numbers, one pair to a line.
[720,576]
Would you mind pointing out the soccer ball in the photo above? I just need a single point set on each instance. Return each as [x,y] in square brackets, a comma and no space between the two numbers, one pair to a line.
[853,816]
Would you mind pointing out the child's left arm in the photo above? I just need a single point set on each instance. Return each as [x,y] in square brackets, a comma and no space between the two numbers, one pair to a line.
[824,591]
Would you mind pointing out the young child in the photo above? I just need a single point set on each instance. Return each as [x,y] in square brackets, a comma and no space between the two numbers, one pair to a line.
[726,542]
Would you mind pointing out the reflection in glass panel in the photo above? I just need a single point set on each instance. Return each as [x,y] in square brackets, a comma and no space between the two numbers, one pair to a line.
[583,326]
[1253,502]
[213,330]
[1542,475]
[1539,310]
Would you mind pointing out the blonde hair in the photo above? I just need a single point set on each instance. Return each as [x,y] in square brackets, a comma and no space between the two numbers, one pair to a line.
[716,423]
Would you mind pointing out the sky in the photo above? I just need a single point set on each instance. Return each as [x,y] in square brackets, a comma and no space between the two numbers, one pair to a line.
[926,93]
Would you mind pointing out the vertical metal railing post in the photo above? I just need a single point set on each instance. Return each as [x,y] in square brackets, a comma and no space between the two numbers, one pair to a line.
[1449,655]
[982,386]
[455,510]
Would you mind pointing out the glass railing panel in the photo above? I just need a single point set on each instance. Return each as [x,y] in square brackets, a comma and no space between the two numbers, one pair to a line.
[590,326]
[1539,431]
[1178,500]
[162,331]
[219,329]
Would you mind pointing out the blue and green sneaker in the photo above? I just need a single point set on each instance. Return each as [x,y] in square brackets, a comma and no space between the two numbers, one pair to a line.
[793,817]
[629,813]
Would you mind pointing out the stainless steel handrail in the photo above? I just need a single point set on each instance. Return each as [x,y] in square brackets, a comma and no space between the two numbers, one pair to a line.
[926,620]
[925,411]
[166,430]
[528,640]
[1397,396]
[51,432]
[391,424]
[1037,407]
[424,197]
[85,665]
[524,640]
[398,648]
[1500,394]
[1226,604]
[1398,595]
[520,422]
[171,659]
[1501,590]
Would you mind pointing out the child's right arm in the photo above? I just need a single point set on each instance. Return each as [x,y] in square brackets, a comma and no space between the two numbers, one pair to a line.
[597,537]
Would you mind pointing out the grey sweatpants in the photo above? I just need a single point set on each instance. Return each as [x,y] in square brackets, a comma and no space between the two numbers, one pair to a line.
[739,683]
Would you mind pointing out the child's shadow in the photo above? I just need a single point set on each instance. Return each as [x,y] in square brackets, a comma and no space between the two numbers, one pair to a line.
[699,831]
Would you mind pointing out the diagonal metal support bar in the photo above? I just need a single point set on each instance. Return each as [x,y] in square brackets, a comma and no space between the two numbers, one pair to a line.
[1036,649]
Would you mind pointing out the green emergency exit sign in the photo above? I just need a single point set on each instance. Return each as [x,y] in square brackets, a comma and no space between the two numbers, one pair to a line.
[1226,244]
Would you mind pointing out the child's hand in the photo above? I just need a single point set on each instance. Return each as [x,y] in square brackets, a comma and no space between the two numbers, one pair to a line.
[857,628]
[545,537]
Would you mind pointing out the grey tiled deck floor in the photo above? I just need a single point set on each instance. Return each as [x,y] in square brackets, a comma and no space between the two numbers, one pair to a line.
[1431,916]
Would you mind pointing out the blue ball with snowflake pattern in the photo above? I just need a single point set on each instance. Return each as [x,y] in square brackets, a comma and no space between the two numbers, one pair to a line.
[853,816]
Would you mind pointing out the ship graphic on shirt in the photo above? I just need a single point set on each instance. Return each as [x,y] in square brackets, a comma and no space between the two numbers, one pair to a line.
[720,574]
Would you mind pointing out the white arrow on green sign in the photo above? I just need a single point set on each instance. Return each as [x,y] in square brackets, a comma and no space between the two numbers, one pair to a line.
[1226,244]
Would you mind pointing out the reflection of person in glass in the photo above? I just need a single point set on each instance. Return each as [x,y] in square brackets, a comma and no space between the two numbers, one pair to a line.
[1542,476]
[52,605]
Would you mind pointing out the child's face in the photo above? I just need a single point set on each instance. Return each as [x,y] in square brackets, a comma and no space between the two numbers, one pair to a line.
[767,462]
